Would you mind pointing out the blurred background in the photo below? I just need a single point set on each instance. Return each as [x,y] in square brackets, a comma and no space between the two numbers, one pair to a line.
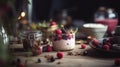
[78,9]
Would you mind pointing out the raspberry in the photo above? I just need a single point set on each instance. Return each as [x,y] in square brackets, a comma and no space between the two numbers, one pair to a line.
[106,47]
[95,42]
[49,48]
[69,36]
[110,39]
[83,46]
[60,55]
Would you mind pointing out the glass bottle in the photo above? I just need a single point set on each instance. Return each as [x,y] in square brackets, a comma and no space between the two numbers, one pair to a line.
[4,40]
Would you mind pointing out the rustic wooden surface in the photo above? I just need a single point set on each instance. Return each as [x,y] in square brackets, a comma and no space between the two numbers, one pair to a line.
[93,59]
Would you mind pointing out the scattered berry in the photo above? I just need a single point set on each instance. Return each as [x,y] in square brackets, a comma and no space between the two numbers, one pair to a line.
[60,55]
[104,41]
[52,59]
[110,39]
[95,42]
[85,53]
[39,60]
[83,46]
[106,47]
[117,62]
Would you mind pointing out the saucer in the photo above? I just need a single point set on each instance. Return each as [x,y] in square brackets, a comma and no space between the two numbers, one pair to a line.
[114,48]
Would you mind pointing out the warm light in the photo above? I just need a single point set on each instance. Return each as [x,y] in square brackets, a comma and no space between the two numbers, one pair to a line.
[22,14]
[89,37]
[19,17]
[62,25]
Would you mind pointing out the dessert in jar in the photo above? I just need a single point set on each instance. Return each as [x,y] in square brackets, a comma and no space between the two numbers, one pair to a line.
[64,39]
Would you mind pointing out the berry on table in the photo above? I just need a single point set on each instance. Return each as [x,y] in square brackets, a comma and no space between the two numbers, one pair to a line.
[85,53]
[58,31]
[39,60]
[117,62]
[60,55]
[52,59]
[104,41]
[106,47]
[83,46]
[95,42]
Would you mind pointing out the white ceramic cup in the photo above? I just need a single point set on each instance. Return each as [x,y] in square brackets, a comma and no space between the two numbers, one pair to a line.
[94,30]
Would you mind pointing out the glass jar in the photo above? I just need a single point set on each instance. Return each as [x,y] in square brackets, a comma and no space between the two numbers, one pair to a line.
[108,17]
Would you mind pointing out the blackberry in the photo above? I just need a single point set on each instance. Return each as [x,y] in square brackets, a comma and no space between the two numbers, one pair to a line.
[105,41]
[39,60]
[52,59]
[64,37]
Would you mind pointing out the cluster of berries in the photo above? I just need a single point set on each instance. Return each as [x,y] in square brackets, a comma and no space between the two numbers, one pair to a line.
[51,58]
[59,34]
[105,43]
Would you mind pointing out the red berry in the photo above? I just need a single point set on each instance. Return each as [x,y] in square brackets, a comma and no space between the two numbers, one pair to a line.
[52,23]
[95,42]
[59,37]
[69,36]
[60,55]
[110,39]
[58,31]
[83,46]
[49,48]
[108,43]
[106,47]
[21,65]
[117,61]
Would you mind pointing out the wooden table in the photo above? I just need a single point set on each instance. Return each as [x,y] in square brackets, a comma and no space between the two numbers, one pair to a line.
[93,59]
